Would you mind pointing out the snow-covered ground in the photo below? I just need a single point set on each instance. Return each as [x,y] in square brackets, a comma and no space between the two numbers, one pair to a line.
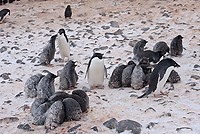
[31,24]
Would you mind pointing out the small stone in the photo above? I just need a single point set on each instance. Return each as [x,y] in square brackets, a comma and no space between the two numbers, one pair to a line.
[165,15]
[196,77]
[134,126]
[73,128]
[105,27]
[3,49]
[25,127]
[118,32]
[151,125]
[111,124]
[114,24]
[102,14]
[30,36]
[196,66]
[5,76]
[95,128]
[9,120]
[8,101]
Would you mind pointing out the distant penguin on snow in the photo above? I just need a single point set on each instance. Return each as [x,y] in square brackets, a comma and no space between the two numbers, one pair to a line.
[63,44]
[3,14]
[159,76]
[96,70]
[176,46]
[68,12]
[48,52]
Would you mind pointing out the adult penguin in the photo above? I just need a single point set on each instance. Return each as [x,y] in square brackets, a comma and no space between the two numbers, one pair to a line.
[63,44]
[159,76]
[68,12]
[3,14]
[96,70]
[176,46]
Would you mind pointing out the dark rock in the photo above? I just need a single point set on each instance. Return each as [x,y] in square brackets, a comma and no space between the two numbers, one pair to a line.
[55,115]
[85,89]
[25,127]
[8,101]
[196,66]
[84,101]
[19,94]
[174,77]
[118,32]
[178,129]
[31,83]
[145,29]
[105,27]
[3,49]
[196,77]
[60,95]
[9,120]
[102,14]
[5,76]
[165,15]
[151,125]
[15,47]
[30,36]
[72,109]
[72,44]
[95,128]
[134,126]
[20,62]
[192,83]
[111,124]
[114,24]
[73,128]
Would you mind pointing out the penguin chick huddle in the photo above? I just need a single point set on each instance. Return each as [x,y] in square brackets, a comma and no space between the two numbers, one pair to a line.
[52,108]
[58,108]
[138,72]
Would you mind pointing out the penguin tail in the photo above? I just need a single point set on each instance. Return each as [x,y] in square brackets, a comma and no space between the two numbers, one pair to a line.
[142,96]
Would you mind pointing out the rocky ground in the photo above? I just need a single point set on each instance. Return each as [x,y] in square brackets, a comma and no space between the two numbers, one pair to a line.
[107,27]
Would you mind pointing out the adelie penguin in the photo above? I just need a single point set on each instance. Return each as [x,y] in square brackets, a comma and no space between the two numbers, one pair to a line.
[161,46]
[63,44]
[68,12]
[48,52]
[68,76]
[176,46]
[159,76]
[3,14]
[95,71]
[139,46]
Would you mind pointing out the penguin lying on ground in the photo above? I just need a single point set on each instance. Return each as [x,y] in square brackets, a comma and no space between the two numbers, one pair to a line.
[95,71]
[159,76]
[48,52]
[3,14]
[68,12]
[176,46]
[63,44]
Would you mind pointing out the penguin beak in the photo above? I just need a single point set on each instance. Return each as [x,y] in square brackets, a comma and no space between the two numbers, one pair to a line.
[177,65]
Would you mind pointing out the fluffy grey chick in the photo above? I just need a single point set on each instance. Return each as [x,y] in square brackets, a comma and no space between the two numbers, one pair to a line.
[46,86]
[116,77]
[161,46]
[126,74]
[176,46]
[68,76]
[139,46]
[48,52]
[31,83]
[137,77]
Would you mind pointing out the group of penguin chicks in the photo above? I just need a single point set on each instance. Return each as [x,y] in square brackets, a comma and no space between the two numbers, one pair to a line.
[136,74]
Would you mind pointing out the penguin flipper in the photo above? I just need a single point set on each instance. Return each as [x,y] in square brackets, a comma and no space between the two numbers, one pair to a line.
[142,96]
[146,93]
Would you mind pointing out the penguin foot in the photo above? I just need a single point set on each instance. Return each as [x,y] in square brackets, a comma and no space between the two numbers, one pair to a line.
[164,93]
[100,87]
[49,65]
[157,96]
[91,87]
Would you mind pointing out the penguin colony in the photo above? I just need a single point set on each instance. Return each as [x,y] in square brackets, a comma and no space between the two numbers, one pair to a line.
[52,108]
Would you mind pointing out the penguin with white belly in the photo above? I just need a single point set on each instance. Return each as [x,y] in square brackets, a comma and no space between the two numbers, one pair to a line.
[159,76]
[63,44]
[95,71]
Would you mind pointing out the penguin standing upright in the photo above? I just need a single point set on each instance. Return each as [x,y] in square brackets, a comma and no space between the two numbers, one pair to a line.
[139,46]
[159,76]
[96,70]
[63,44]
[68,76]
[3,14]
[176,46]
[48,52]
[68,12]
